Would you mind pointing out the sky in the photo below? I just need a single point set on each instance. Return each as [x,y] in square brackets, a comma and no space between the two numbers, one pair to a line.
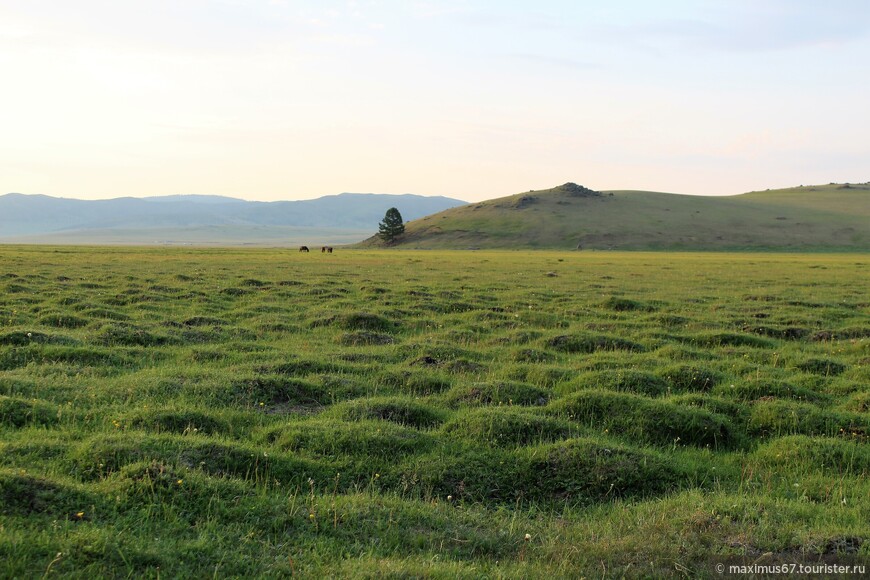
[473,99]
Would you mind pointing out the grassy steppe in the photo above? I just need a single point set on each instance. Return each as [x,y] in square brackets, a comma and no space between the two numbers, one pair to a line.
[263,412]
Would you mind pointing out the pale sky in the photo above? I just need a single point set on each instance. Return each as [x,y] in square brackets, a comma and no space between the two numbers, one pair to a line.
[475,99]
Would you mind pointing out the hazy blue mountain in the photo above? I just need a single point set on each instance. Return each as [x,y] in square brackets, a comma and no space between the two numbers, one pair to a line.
[40,215]
[205,199]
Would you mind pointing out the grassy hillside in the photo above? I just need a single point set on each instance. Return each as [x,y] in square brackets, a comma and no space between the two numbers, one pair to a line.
[832,217]
[177,413]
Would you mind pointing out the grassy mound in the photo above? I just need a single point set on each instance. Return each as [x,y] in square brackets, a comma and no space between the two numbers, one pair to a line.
[577,471]
[750,391]
[737,412]
[589,343]
[801,453]
[687,377]
[101,456]
[398,410]
[107,359]
[63,320]
[626,305]
[639,382]
[586,471]
[25,338]
[415,382]
[507,426]
[821,366]
[365,321]
[28,495]
[177,421]
[19,412]
[497,393]
[639,418]
[365,338]
[280,390]
[781,417]
[128,335]
[363,438]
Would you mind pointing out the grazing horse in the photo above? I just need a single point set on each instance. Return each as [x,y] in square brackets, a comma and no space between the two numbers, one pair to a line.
[329,249]
[322,249]
[303,248]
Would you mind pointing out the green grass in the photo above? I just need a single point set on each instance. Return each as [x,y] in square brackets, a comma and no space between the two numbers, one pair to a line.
[220,412]
[813,218]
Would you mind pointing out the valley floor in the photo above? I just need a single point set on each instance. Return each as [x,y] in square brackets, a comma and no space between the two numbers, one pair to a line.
[171,412]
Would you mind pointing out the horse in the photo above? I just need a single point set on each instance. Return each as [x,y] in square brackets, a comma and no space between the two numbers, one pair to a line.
[328,249]
[303,248]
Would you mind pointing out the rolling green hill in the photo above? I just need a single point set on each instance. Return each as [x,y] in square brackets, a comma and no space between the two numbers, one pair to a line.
[833,217]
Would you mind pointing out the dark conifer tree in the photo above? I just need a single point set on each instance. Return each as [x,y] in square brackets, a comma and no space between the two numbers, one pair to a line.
[391,226]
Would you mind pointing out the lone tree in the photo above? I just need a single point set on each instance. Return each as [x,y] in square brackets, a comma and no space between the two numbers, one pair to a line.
[391,226]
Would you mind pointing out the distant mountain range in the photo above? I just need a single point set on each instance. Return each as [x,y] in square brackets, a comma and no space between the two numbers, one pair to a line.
[833,217]
[342,218]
